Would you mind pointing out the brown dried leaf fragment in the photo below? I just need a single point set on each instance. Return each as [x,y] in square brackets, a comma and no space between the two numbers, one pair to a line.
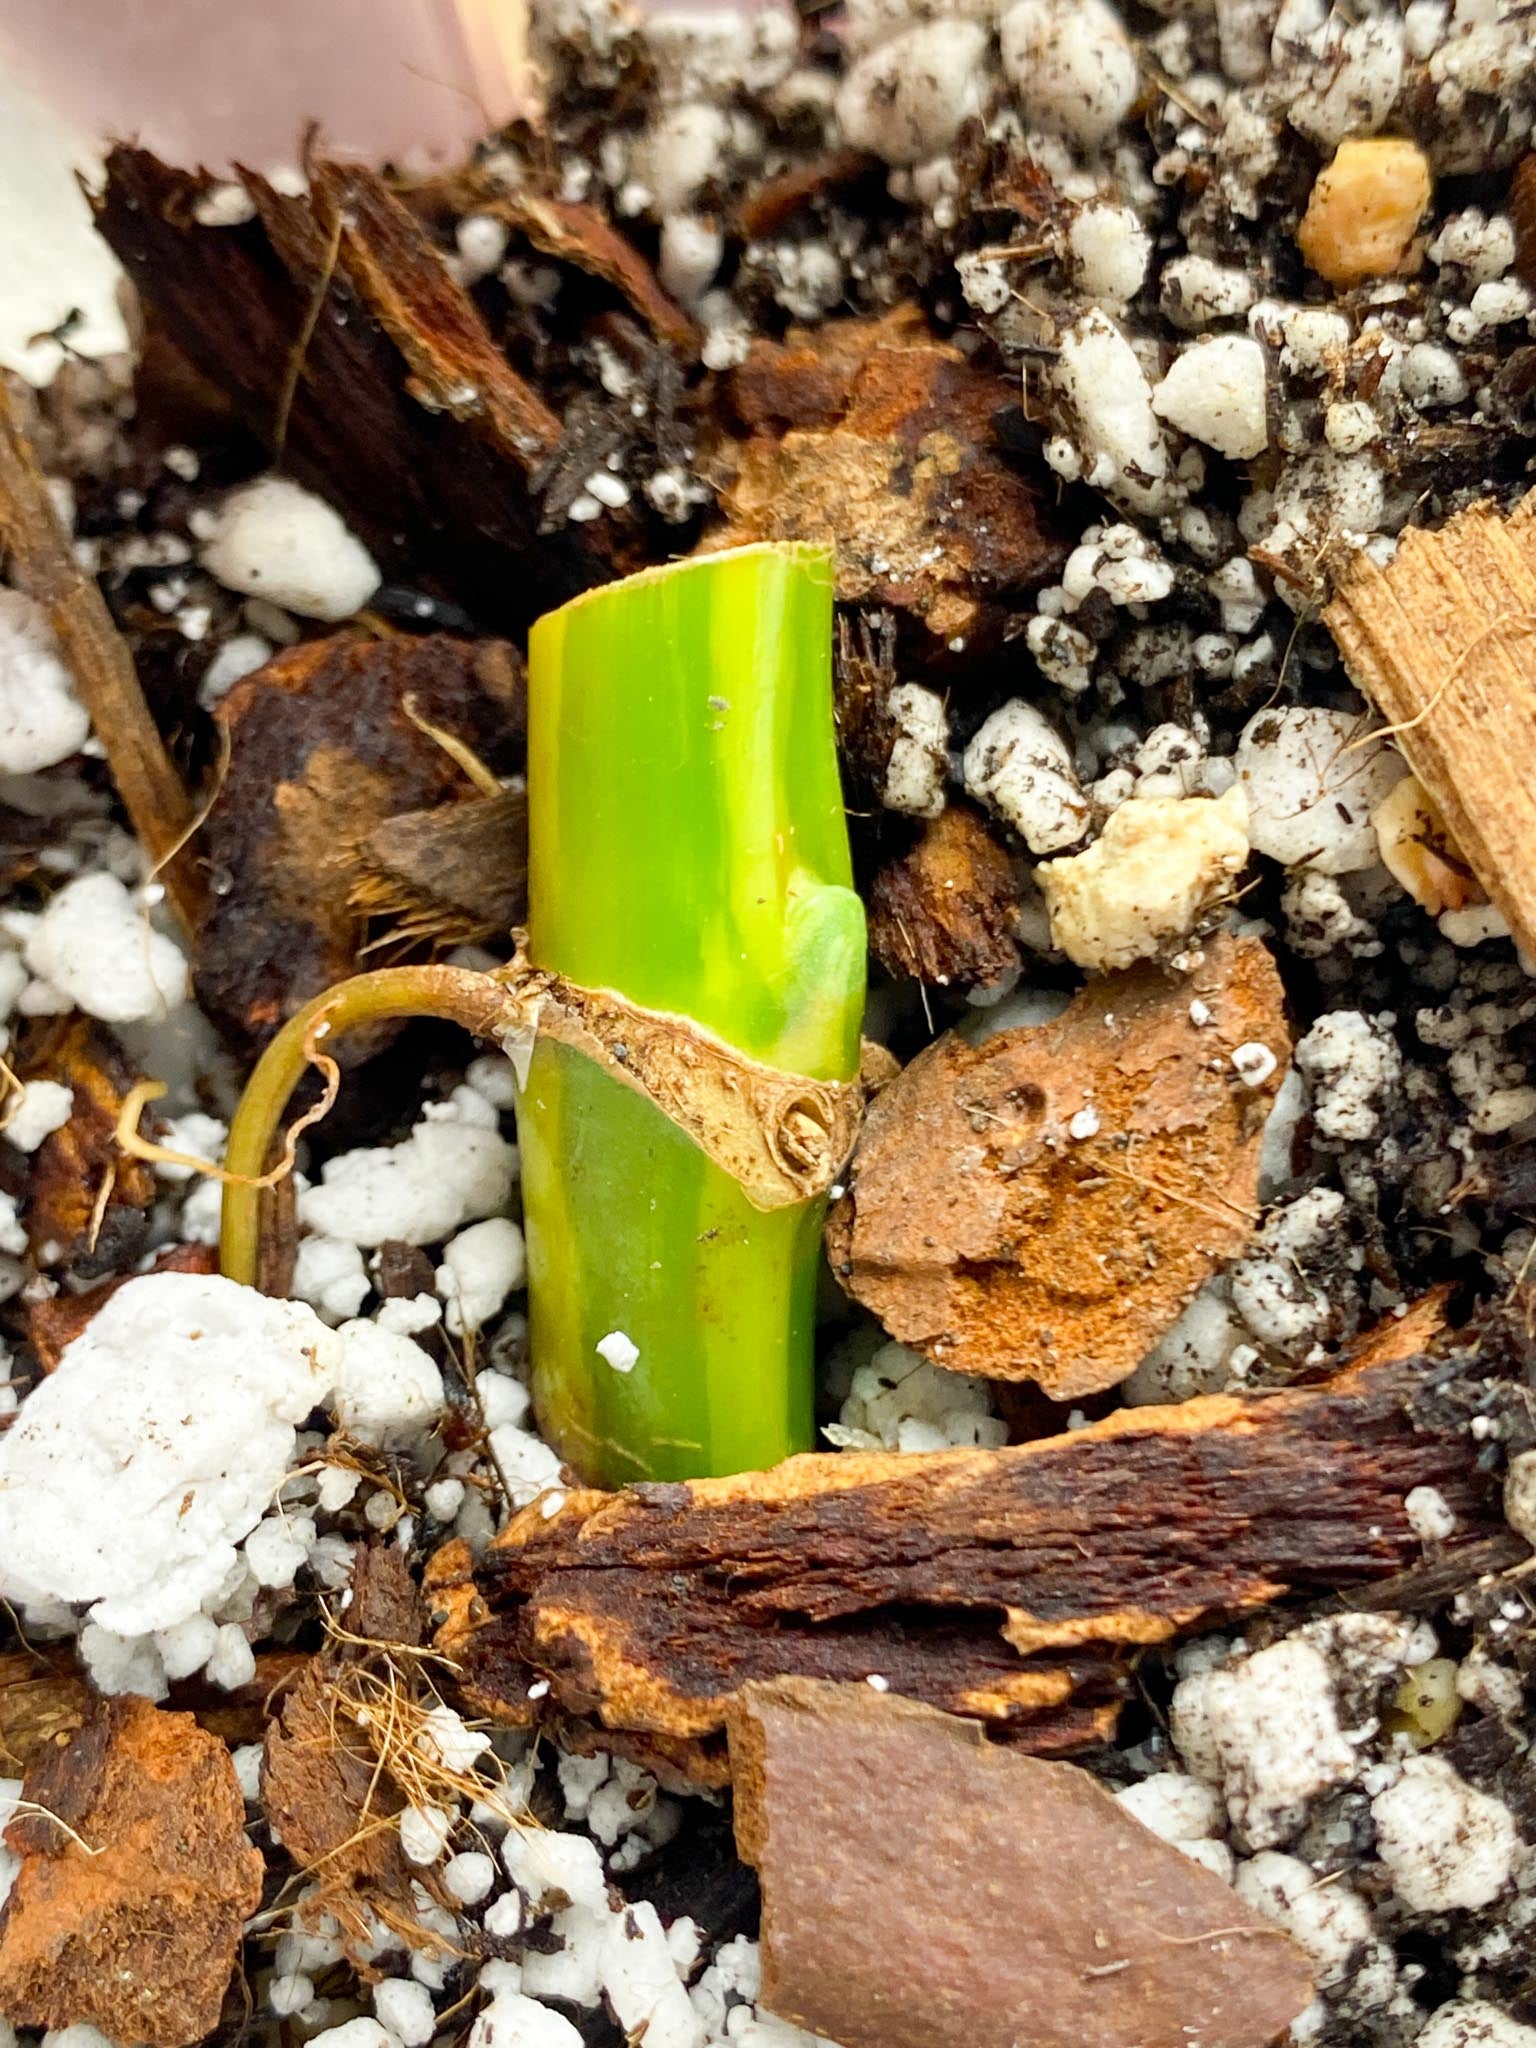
[453,875]
[1070,1924]
[327,743]
[1014,1586]
[1041,1206]
[877,438]
[946,911]
[86,1196]
[1442,641]
[127,1917]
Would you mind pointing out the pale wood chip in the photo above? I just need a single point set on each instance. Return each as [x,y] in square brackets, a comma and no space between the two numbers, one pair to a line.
[1443,642]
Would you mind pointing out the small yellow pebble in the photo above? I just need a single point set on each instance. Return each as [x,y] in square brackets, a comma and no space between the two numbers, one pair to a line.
[1426,1704]
[1417,847]
[1365,209]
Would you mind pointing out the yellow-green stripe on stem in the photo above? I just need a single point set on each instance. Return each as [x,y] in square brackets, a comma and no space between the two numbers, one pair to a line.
[687,848]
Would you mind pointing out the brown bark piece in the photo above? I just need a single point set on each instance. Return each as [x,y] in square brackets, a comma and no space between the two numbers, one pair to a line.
[987,1236]
[1013,1586]
[343,343]
[1521,207]
[946,910]
[323,750]
[43,1701]
[580,235]
[86,1195]
[128,1916]
[876,438]
[1441,642]
[1061,1920]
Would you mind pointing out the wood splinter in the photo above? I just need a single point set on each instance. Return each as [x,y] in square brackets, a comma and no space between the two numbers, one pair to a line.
[1443,642]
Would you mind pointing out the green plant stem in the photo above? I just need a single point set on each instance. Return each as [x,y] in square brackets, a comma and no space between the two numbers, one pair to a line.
[687,848]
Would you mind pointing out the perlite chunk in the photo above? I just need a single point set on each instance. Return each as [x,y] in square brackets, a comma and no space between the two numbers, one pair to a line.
[1214,391]
[1447,1846]
[1145,883]
[42,720]
[1019,765]
[155,1448]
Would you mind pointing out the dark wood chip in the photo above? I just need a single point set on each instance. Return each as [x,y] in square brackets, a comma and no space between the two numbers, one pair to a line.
[1015,1586]
[946,910]
[343,343]
[327,743]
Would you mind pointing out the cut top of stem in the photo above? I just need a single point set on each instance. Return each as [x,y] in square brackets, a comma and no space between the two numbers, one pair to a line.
[687,843]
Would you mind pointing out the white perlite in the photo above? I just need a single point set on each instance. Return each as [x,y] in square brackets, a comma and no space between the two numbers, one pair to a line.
[1430,1515]
[1353,1066]
[1109,249]
[1159,865]
[155,1447]
[1072,66]
[1330,1921]
[1021,767]
[1520,1496]
[1312,779]
[41,1108]
[619,1351]
[481,1267]
[914,776]
[96,945]
[387,1390]
[42,721]
[1447,1846]
[1270,1290]
[897,1401]
[1474,2023]
[273,539]
[1214,391]
[1101,380]
[907,100]
[1267,1730]
[329,1274]
[447,1173]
